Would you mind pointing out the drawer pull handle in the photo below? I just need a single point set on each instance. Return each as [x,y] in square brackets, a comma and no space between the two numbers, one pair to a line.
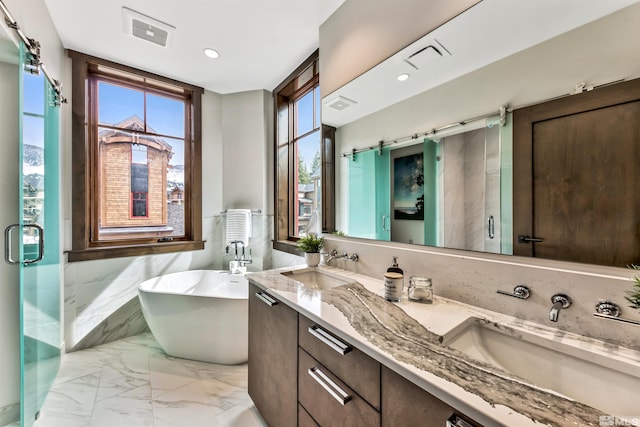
[329,340]
[326,383]
[266,299]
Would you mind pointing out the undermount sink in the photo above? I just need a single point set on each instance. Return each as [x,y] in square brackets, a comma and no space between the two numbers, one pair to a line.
[605,377]
[314,278]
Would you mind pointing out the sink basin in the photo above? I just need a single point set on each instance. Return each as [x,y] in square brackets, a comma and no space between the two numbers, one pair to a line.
[603,376]
[314,278]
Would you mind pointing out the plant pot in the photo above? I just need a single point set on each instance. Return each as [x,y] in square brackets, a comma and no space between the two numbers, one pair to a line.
[312,259]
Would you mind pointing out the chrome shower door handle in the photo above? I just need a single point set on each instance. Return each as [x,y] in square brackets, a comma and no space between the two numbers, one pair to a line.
[40,244]
[491,227]
[385,222]
[8,252]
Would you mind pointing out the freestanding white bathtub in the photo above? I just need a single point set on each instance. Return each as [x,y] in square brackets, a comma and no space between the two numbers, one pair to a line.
[199,315]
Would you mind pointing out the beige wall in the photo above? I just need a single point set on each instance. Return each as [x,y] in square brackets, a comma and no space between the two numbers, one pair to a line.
[245,130]
[362,33]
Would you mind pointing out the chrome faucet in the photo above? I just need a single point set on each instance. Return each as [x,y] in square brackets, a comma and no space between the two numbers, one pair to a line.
[559,301]
[235,244]
[241,257]
[334,255]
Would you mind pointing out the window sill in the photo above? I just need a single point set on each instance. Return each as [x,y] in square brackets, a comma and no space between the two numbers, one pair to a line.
[286,246]
[133,250]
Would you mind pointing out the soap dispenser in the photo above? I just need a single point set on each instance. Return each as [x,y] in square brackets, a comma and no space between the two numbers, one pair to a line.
[393,282]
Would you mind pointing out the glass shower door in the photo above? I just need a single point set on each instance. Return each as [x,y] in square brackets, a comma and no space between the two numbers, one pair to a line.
[39,235]
[370,195]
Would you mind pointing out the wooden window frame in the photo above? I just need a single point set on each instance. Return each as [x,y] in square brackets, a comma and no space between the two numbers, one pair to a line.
[84,158]
[285,185]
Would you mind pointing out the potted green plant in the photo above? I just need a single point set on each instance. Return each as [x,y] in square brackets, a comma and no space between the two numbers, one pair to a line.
[311,245]
[633,296]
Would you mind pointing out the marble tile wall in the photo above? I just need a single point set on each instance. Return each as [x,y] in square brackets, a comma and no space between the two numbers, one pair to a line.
[9,414]
[474,189]
[471,190]
[452,219]
[474,278]
[100,297]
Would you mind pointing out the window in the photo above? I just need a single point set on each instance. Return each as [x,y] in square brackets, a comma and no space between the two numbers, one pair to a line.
[136,162]
[304,159]
[139,181]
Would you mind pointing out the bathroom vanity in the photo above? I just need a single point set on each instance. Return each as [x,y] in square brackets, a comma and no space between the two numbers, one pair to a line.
[326,349]
[332,382]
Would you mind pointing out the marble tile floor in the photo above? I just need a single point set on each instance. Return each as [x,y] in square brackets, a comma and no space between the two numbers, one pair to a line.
[132,382]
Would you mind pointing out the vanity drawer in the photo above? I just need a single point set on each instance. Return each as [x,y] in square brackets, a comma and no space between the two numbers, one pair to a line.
[356,369]
[304,419]
[328,400]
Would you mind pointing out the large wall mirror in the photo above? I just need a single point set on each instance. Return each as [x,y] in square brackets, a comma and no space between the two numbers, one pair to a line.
[424,139]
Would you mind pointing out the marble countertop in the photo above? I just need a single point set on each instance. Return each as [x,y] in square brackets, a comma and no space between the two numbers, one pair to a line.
[407,337]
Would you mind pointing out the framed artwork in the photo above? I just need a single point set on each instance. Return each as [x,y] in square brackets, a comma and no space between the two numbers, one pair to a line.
[408,187]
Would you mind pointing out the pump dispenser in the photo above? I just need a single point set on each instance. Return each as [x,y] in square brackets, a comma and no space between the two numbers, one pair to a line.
[393,282]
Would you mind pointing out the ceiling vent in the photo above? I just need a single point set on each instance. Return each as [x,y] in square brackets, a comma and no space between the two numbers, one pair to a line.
[146,28]
[340,103]
[427,55]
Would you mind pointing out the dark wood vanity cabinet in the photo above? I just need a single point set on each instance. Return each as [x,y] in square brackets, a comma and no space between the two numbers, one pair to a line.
[406,404]
[302,374]
[273,356]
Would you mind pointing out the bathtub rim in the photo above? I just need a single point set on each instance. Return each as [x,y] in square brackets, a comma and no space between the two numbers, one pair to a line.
[141,288]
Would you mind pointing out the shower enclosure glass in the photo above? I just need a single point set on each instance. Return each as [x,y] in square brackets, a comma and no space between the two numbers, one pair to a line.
[39,248]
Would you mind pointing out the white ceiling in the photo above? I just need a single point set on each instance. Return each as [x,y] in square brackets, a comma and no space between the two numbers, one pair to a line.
[260,42]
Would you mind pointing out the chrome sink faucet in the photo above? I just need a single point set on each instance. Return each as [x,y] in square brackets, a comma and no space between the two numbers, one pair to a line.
[334,255]
[559,301]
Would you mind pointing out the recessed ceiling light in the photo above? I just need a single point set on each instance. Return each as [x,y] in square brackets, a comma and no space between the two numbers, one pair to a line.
[402,77]
[211,53]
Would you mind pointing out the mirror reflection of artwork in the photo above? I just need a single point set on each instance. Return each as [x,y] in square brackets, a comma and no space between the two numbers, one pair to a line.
[408,187]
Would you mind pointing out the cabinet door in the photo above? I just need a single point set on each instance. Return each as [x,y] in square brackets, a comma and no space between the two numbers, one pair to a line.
[330,401]
[356,369]
[406,404]
[273,358]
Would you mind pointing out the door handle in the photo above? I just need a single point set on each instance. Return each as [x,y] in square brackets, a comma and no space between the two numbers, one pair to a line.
[524,238]
[329,340]
[331,387]
[8,253]
[266,299]
[40,244]
[385,222]
[491,227]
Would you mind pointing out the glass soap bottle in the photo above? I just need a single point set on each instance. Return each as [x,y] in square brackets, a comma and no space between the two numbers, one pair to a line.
[393,282]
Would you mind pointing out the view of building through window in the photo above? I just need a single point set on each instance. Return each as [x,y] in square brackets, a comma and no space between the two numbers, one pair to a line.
[307,143]
[140,138]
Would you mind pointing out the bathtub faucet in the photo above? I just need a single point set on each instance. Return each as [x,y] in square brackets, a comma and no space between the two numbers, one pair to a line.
[241,256]
[244,260]
[235,244]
